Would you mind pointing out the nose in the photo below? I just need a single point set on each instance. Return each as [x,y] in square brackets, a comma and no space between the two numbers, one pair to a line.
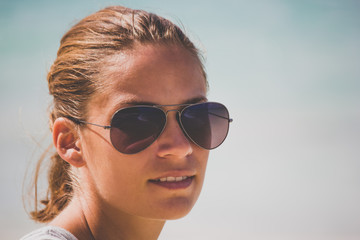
[172,141]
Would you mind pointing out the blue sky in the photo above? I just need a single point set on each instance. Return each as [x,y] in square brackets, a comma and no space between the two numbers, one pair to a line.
[289,73]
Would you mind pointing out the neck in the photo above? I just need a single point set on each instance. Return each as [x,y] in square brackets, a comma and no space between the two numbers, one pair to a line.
[90,220]
[106,222]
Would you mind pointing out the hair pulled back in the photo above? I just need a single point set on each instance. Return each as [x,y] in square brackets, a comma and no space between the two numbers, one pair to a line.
[72,79]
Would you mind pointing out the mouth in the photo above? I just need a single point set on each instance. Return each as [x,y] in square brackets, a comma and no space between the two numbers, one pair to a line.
[172,182]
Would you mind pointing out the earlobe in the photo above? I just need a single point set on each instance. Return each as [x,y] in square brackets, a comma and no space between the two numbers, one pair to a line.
[67,143]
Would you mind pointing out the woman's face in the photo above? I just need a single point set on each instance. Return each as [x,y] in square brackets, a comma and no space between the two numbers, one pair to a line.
[130,183]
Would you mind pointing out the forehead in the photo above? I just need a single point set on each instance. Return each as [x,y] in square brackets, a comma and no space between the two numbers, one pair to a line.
[161,74]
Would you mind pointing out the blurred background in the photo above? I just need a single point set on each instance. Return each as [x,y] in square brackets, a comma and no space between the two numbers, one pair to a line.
[289,71]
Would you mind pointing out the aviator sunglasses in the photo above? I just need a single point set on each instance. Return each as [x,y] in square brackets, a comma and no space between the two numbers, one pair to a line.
[132,129]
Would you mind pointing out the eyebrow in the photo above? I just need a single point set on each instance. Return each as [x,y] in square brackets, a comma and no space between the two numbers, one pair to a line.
[147,103]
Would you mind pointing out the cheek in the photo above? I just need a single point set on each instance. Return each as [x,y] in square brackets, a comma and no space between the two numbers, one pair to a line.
[110,172]
[118,182]
[203,159]
[117,178]
[202,164]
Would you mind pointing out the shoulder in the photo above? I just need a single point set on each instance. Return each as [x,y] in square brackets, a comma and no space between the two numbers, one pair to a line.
[49,233]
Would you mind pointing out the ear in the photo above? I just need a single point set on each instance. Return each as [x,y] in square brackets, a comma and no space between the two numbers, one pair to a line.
[67,142]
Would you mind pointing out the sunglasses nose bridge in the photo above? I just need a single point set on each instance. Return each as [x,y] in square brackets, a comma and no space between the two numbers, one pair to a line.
[172,110]
[178,114]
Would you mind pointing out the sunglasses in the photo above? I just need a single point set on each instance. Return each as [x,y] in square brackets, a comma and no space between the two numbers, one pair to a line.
[135,128]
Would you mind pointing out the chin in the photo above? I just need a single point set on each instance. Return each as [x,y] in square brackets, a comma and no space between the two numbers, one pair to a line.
[175,208]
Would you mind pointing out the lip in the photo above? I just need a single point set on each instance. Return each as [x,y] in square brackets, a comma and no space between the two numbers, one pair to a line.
[174,185]
[176,173]
[182,184]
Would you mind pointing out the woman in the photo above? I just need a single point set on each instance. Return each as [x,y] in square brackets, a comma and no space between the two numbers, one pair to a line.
[131,126]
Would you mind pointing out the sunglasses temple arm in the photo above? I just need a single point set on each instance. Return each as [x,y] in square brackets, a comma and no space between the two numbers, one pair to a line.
[78,121]
[214,114]
[97,125]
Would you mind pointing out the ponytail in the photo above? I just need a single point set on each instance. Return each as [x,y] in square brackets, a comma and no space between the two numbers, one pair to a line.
[60,189]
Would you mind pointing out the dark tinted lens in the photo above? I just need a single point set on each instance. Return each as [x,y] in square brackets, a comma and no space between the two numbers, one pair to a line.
[135,128]
[206,124]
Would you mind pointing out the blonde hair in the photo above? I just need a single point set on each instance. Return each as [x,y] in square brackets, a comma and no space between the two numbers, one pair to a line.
[72,79]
